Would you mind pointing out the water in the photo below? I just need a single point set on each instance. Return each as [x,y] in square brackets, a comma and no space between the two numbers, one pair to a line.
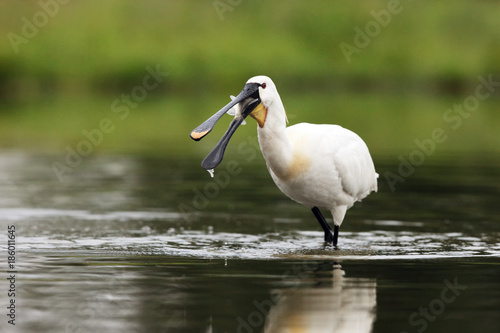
[135,244]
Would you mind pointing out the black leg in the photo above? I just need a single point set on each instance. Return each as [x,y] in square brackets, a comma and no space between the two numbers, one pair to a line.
[335,234]
[329,237]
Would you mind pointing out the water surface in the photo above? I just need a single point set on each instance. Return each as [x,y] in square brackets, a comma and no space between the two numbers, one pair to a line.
[136,244]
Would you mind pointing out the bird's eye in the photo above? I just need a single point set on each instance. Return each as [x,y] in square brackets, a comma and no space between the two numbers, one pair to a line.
[263,85]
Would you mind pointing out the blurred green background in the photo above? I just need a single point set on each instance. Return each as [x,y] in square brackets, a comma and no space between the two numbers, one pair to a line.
[66,66]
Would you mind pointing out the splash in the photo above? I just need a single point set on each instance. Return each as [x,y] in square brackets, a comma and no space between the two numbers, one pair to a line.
[211,172]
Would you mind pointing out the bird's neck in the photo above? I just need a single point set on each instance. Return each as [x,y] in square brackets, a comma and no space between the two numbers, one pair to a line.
[275,145]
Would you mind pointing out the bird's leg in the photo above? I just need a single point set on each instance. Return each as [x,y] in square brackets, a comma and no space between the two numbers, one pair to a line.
[335,234]
[329,237]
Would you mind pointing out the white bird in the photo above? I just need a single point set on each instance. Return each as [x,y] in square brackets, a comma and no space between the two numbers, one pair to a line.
[318,166]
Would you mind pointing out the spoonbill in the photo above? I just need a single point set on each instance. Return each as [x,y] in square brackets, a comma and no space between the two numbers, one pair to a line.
[318,166]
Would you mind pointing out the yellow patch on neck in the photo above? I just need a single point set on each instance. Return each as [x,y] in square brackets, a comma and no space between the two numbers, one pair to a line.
[259,114]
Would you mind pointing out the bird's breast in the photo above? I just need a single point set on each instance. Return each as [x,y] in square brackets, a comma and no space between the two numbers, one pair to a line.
[298,165]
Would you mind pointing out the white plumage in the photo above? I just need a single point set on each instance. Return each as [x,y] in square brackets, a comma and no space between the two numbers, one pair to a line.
[326,166]
[319,166]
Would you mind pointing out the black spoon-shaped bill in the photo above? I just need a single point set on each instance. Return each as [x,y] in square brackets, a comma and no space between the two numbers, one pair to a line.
[214,158]
[199,132]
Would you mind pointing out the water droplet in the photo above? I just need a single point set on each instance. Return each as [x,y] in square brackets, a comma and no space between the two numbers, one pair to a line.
[211,172]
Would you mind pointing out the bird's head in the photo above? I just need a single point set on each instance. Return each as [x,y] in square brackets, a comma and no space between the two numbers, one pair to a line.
[254,100]
[266,93]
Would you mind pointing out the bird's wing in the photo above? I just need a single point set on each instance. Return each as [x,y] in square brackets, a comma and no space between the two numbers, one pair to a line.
[351,158]
[340,150]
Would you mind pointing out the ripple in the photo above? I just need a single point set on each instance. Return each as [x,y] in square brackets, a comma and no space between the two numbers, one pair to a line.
[165,233]
[306,245]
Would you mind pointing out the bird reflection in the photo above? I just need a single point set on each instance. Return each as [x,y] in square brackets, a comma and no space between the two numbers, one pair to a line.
[333,303]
